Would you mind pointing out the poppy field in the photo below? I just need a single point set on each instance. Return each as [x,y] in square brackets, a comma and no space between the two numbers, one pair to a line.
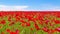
[29,22]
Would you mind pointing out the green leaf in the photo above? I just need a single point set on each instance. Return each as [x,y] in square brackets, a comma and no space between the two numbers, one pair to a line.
[32,24]
[23,31]
[27,30]
[45,32]
[39,32]
[58,18]
[40,26]
[59,33]
[57,25]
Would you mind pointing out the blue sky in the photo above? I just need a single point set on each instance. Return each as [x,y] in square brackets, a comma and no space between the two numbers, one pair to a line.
[32,4]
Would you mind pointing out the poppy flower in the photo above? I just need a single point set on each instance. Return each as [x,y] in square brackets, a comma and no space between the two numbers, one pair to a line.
[2,33]
[3,22]
[28,17]
[1,14]
[37,27]
[45,29]
[17,18]
[11,23]
[53,31]
[22,21]
[8,30]
[31,28]
[57,21]
[13,33]
[23,24]
[27,24]
[46,22]
[9,19]
[58,29]
[17,31]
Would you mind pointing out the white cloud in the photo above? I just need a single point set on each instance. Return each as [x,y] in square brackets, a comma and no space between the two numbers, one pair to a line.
[42,7]
[12,8]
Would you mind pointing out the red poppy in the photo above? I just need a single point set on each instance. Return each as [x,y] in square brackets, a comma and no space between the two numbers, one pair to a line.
[58,29]
[3,22]
[23,24]
[28,17]
[9,18]
[22,21]
[46,22]
[45,29]
[31,28]
[12,14]
[17,18]
[51,24]
[11,23]
[0,14]
[17,31]
[8,30]
[36,26]
[41,23]
[17,15]
[2,33]
[57,21]
[28,24]
[53,31]
[13,33]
